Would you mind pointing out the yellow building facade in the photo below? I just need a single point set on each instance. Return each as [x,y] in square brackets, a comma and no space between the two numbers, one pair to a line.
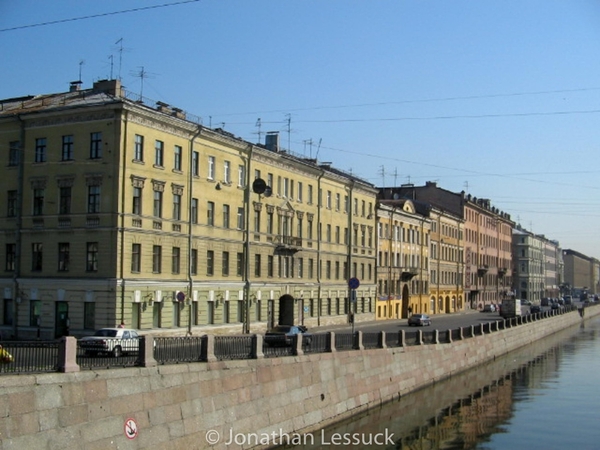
[403,260]
[122,211]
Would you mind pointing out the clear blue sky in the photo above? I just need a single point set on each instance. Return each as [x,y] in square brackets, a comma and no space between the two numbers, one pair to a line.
[497,98]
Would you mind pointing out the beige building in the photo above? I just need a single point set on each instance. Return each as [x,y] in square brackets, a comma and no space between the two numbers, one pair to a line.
[403,259]
[120,210]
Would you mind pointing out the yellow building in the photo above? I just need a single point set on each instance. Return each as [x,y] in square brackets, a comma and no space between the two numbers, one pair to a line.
[122,210]
[403,259]
[447,262]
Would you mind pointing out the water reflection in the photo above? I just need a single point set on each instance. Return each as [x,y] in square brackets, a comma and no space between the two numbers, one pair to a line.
[488,407]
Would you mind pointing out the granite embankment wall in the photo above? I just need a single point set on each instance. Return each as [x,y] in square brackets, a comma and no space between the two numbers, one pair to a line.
[187,405]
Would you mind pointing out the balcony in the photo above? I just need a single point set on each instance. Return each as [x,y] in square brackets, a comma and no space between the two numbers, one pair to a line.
[502,271]
[288,244]
[408,273]
[482,270]
[92,221]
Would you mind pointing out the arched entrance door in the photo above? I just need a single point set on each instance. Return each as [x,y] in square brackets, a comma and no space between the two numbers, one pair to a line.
[286,310]
[405,301]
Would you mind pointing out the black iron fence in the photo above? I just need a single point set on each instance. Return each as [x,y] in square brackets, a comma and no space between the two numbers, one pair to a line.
[67,354]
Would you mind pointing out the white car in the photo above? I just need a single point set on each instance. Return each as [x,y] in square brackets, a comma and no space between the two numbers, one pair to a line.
[114,341]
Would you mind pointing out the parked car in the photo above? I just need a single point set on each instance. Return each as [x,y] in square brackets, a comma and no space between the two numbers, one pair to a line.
[419,320]
[488,308]
[283,335]
[526,302]
[535,309]
[114,341]
[556,305]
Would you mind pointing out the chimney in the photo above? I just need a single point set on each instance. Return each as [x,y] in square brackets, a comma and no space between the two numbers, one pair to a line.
[272,141]
[75,86]
[111,87]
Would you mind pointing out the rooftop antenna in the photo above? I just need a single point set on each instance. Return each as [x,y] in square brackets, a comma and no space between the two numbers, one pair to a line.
[111,66]
[382,172]
[81,63]
[318,148]
[142,74]
[289,129]
[120,43]
[309,142]
[258,125]
[395,176]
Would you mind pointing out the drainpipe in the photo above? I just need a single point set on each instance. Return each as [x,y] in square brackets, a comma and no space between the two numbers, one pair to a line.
[19,227]
[122,215]
[349,256]
[190,224]
[246,261]
[321,175]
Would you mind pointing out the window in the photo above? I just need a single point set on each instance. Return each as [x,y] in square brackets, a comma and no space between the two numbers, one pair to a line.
[176,207]
[177,155]
[270,229]
[227,172]
[225,216]
[257,265]
[210,214]
[137,201]
[195,164]
[211,167]
[38,202]
[176,260]
[311,268]
[63,256]
[239,264]
[158,195]
[225,263]
[328,232]
[156,259]
[210,262]
[240,218]
[13,153]
[8,312]
[310,194]
[241,175]
[136,258]
[36,256]
[299,191]
[300,267]
[159,153]
[92,257]
[194,210]
[35,313]
[194,262]
[11,204]
[257,221]
[95,145]
[64,202]
[67,148]
[93,199]
[40,150]
[270,264]
[138,151]
[328,200]
[11,255]
[338,201]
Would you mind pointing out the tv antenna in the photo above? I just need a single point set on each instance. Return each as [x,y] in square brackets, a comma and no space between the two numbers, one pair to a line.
[308,142]
[289,129]
[382,172]
[142,75]
[81,63]
[258,125]
[120,49]
[318,148]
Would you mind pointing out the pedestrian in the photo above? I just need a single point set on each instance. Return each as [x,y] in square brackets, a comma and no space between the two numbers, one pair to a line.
[5,357]
[122,324]
[410,310]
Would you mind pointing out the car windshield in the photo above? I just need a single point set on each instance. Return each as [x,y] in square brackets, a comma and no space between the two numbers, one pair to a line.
[418,316]
[280,329]
[106,333]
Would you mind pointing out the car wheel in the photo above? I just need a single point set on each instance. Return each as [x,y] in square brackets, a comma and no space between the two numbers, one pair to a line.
[117,351]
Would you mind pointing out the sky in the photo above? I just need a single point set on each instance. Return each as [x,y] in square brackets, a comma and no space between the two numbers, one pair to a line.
[500,99]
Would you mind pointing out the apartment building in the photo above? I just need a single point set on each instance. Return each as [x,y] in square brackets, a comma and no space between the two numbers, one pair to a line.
[121,209]
[403,263]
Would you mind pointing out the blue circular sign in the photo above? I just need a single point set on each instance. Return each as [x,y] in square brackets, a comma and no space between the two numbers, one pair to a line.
[353,283]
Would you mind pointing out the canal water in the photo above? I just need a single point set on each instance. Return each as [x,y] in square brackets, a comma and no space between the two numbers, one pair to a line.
[544,396]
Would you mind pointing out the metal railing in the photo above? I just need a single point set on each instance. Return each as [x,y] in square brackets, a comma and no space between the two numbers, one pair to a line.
[52,356]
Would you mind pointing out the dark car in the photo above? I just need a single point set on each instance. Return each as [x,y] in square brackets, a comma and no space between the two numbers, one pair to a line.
[535,309]
[283,335]
[419,320]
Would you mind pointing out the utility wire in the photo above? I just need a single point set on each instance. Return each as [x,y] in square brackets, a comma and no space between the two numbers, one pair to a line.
[73,19]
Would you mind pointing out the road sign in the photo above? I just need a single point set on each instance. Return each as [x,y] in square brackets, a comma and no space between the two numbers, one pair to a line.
[180,296]
[353,283]
[131,429]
